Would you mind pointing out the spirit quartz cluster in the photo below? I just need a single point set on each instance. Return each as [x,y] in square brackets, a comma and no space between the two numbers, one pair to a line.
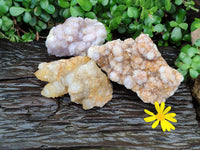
[75,36]
[78,76]
[138,65]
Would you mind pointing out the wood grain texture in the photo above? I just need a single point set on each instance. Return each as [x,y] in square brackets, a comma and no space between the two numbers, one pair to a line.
[31,121]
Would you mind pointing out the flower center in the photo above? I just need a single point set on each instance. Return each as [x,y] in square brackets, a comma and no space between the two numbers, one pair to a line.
[160,117]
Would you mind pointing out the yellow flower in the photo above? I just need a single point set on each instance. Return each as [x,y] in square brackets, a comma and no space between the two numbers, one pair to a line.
[161,117]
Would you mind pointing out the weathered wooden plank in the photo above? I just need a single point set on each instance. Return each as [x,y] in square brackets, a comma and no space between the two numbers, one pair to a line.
[28,120]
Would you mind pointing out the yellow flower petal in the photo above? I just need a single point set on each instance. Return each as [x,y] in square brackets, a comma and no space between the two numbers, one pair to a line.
[150,119]
[167,110]
[149,112]
[171,119]
[155,124]
[162,107]
[157,107]
[166,125]
[170,115]
[163,125]
[169,125]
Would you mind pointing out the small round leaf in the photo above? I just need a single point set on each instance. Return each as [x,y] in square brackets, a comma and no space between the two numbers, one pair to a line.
[44,4]
[63,3]
[176,34]
[37,11]
[16,10]
[173,23]
[159,28]
[90,15]
[66,13]
[50,9]
[165,36]
[85,4]
[45,17]
[76,11]
[197,43]
[184,26]
[193,73]
[178,2]
[133,12]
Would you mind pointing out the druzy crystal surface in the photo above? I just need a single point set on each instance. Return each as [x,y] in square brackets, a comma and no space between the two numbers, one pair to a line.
[75,36]
[78,76]
[138,65]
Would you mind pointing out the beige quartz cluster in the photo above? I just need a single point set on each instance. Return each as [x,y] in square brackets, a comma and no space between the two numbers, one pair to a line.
[75,36]
[78,76]
[138,65]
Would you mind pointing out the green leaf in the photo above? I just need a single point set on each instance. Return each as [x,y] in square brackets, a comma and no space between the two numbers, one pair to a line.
[33,21]
[197,43]
[178,62]
[7,23]
[38,29]
[133,12]
[132,27]
[148,30]
[85,4]
[42,25]
[184,67]
[94,2]
[185,48]
[187,38]
[182,55]
[195,66]
[73,3]
[159,28]
[166,36]
[104,2]
[90,15]
[172,9]
[114,23]
[1,22]
[184,26]
[44,4]
[180,16]
[50,9]
[76,11]
[195,25]
[117,10]
[176,34]
[37,11]
[173,23]
[167,5]
[183,72]
[66,13]
[196,59]
[178,2]
[3,7]
[191,51]
[193,73]
[45,17]
[187,60]
[27,17]
[16,11]
[152,19]
[63,3]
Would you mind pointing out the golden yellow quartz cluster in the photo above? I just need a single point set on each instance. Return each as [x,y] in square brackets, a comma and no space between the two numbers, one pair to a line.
[138,65]
[78,76]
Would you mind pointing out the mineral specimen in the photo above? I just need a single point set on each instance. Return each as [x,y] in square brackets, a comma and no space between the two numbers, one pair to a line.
[138,65]
[78,76]
[75,36]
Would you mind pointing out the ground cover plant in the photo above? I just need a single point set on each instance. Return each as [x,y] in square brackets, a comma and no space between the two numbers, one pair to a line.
[163,20]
